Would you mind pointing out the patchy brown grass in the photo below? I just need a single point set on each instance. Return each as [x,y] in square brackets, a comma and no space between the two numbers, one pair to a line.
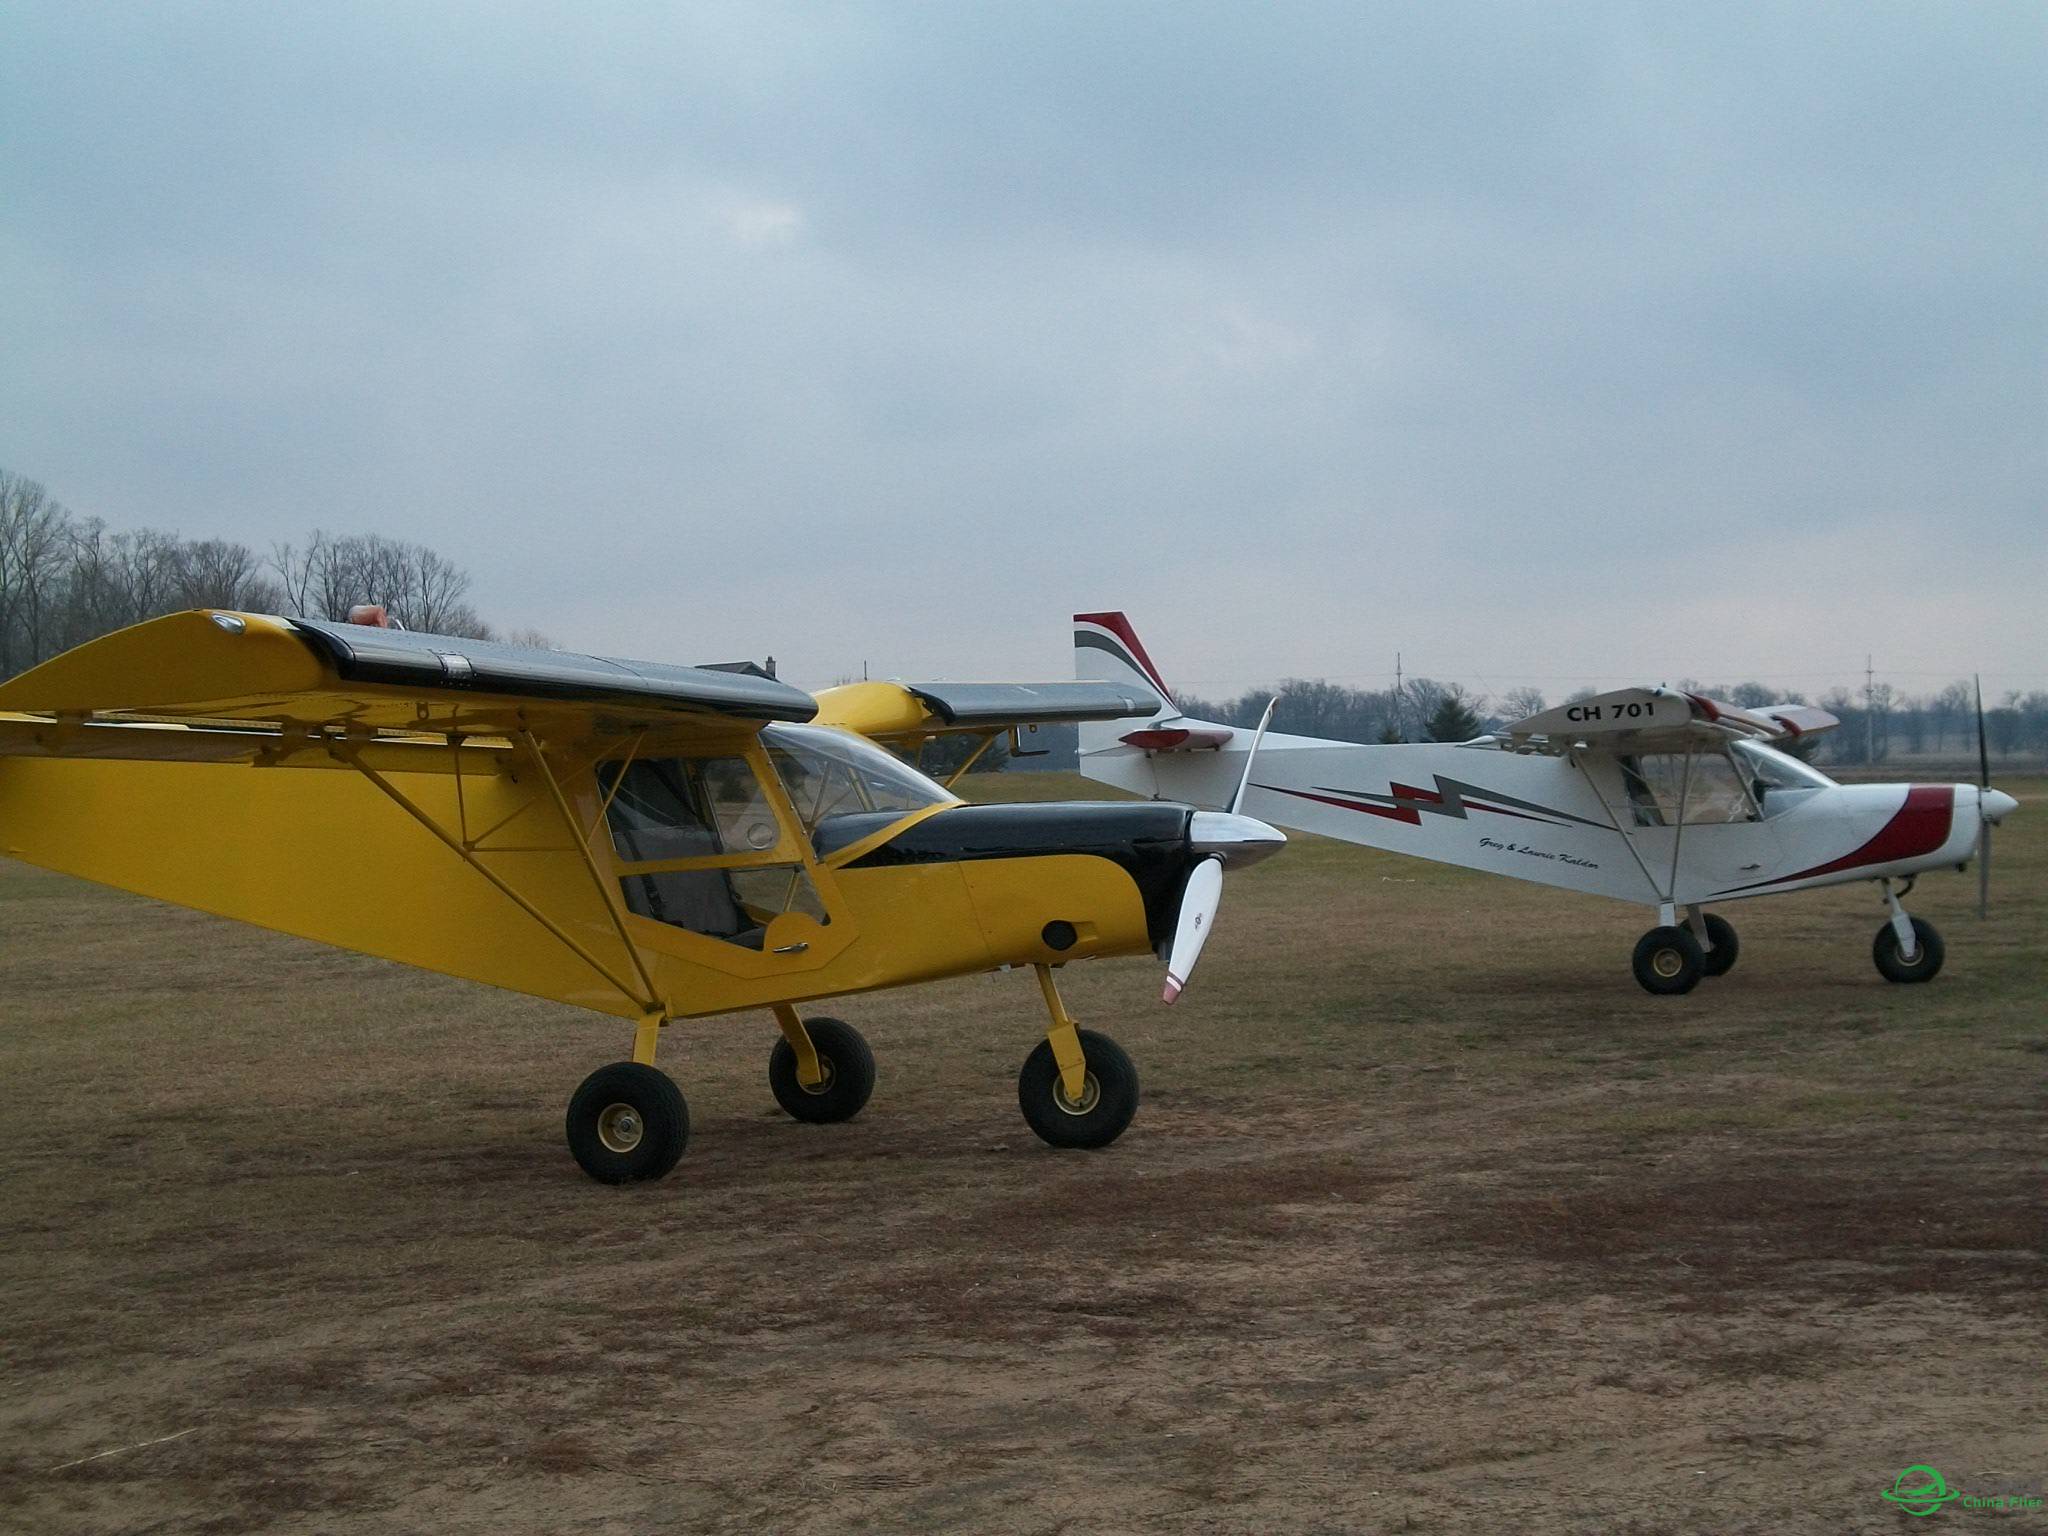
[1430,1221]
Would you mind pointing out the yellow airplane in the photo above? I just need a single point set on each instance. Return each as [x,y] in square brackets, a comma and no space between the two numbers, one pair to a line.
[652,842]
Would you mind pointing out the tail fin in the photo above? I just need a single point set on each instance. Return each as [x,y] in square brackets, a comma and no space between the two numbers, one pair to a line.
[1107,648]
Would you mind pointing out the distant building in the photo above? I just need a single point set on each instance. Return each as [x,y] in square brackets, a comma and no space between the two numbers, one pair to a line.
[746,668]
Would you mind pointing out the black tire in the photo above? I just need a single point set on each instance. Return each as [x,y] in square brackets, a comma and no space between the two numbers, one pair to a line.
[1928,953]
[1668,961]
[1720,960]
[849,1074]
[627,1123]
[1107,1103]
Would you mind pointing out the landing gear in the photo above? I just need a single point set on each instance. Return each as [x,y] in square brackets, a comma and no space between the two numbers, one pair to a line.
[1077,1087]
[628,1122]
[1668,961]
[1894,964]
[1721,946]
[1906,948]
[843,1074]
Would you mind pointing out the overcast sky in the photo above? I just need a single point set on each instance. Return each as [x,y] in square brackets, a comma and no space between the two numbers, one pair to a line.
[1549,343]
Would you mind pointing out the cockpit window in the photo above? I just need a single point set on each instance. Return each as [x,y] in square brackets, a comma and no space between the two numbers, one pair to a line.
[671,810]
[829,773]
[1780,770]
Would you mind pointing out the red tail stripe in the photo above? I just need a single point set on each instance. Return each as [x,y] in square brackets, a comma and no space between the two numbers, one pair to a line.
[1120,626]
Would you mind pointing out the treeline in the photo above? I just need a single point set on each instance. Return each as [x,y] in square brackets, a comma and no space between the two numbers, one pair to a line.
[66,579]
[1887,723]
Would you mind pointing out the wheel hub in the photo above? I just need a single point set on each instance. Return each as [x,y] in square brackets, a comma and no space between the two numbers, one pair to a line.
[1091,1095]
[824,1082]
[620,1128]
[1667,963]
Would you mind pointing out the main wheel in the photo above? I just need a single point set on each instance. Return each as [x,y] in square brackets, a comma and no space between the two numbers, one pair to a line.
[628,1122]
[1720,960]
[849,1068]
[1109,1097]
[1668,961]
[1928,953]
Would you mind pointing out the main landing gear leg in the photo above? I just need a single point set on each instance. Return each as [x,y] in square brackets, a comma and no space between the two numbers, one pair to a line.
[1906,948]
[628,1121]
[821,1071]
[1077,1088]
[1716,938]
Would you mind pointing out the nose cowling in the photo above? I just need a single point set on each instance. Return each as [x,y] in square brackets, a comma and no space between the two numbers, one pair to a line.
[1239,841]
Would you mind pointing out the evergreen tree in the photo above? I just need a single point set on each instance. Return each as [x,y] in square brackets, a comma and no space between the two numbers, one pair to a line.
[1454,719]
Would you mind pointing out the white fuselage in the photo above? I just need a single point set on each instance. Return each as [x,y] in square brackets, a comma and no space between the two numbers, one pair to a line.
[1563,820]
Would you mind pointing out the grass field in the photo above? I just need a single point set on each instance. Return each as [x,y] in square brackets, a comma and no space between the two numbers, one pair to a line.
[1430,1220]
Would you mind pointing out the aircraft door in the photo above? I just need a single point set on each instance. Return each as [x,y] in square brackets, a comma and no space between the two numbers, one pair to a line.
[1722,842]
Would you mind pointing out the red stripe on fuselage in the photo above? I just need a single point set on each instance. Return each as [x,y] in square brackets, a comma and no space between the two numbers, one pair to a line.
[1919,826]
[1391,812]
[1407,813]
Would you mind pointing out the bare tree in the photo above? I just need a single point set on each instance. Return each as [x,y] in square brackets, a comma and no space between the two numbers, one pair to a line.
[417,586]
[34,531]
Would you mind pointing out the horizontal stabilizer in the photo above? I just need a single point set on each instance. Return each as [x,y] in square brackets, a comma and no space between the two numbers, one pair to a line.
[1179,738]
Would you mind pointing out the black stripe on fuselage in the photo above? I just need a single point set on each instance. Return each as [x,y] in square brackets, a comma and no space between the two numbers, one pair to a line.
[1147,840]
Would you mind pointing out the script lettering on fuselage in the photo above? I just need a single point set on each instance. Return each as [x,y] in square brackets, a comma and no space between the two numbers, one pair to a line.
[1538,853]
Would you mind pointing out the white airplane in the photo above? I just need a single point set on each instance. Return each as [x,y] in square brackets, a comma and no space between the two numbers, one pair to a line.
[1644,794]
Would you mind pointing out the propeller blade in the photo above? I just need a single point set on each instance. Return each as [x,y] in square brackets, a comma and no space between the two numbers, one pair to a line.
[1983,821]
[1983,751]
[1245,781]
[1198,903]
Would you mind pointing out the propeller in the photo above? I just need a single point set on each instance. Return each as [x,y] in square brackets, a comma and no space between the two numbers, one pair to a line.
[1198,903]
[1217,836]
[1993,806]
[1983,822]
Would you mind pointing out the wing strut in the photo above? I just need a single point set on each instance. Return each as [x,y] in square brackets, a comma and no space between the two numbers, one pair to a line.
[607,892]
[1626,841]
[645,997]
[1678,833]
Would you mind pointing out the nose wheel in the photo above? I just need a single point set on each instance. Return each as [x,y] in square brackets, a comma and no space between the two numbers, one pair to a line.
[1099,1113]
[1888,952]
[1077,1087]
[1906,948]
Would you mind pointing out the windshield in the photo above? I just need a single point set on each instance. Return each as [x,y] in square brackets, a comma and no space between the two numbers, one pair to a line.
[830,772]
[1773,769]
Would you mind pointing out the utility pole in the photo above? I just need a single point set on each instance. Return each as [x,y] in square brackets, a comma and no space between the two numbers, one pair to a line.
[1869,711]
[1397,695]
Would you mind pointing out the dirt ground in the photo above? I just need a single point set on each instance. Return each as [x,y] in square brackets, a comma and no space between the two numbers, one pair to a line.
[1430,1220]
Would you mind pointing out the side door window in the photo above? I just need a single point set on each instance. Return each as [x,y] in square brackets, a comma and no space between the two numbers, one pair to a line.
[697,838]
[1709,791]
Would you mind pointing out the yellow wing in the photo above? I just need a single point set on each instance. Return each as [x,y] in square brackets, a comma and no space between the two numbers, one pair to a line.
[907,715]
[166,760]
